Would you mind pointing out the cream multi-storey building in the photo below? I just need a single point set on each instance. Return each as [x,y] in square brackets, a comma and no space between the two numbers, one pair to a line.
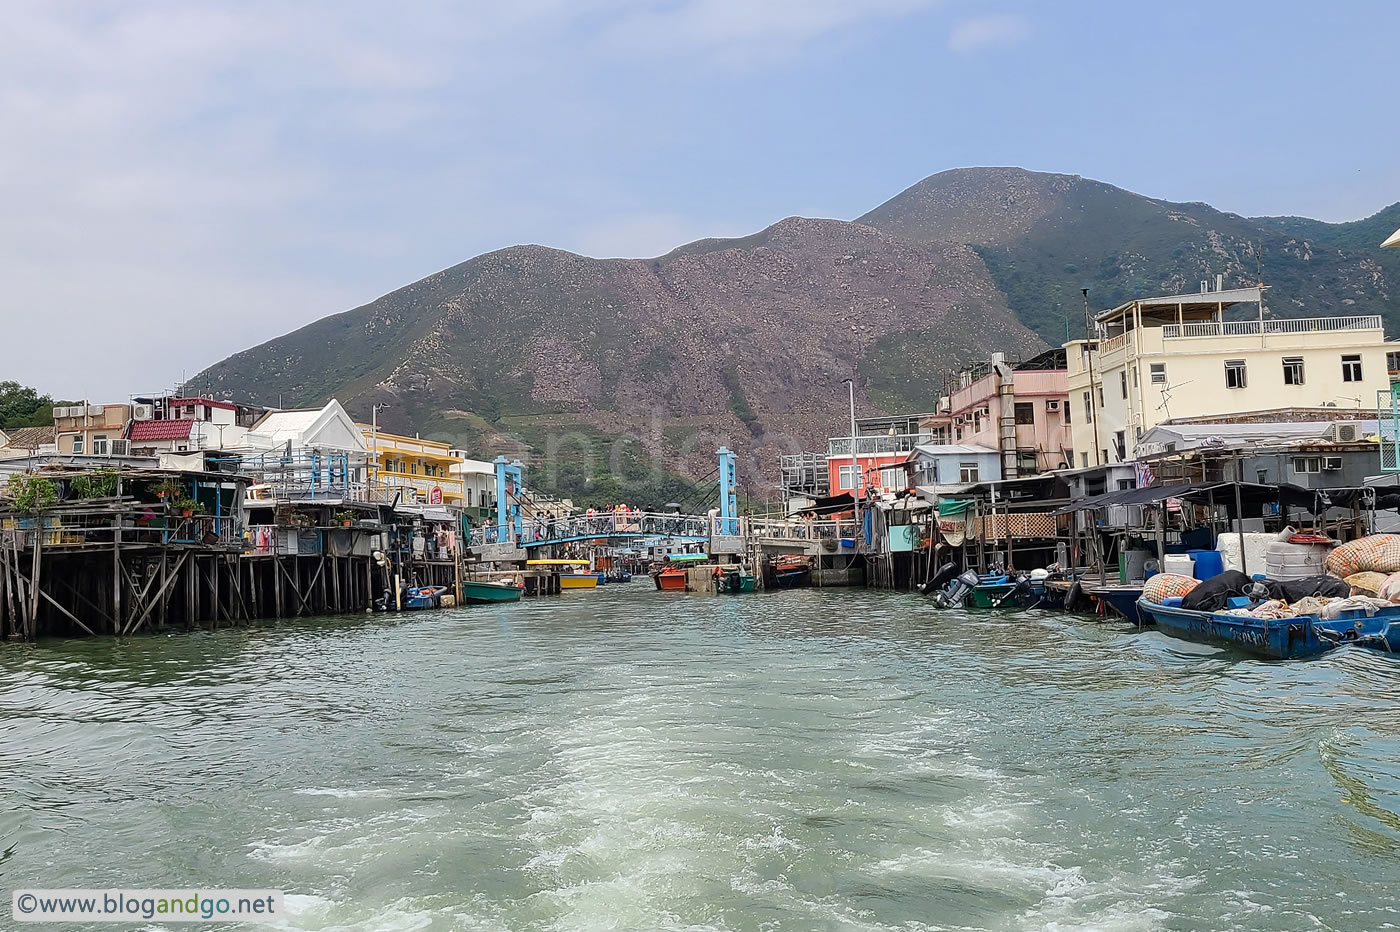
[1181,356]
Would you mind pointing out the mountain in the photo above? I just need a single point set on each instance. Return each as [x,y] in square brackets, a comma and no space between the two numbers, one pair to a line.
[613,368]
[611,376]
[1045,236]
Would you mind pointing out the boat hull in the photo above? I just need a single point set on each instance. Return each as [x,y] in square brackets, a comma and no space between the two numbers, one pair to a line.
[672,580]
[1122,601]
[1275,638]
[999,595]
[578,581]
[476,592]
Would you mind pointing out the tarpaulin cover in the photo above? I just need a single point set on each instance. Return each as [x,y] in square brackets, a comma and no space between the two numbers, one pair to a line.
[954,506]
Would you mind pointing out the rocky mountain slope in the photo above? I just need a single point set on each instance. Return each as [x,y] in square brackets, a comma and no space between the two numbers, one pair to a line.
[601,369]
[611,374]
[1045,236]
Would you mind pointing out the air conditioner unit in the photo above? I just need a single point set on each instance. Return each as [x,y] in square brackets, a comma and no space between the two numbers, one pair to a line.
[142,412]
[1331,463]
[1347,431]
[60,411]
[985,412]
[118,447]
[94,410]
[1052,405]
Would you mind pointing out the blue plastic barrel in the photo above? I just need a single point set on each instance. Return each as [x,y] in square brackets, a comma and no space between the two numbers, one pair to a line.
[1208,563]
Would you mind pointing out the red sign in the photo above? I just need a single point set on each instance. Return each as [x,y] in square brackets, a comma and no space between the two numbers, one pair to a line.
[435,496]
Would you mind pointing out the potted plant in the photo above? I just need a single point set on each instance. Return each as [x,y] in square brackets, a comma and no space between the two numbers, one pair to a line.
[187,507]
[345,518]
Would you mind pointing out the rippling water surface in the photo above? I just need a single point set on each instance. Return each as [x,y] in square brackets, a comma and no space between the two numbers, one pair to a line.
[627,759]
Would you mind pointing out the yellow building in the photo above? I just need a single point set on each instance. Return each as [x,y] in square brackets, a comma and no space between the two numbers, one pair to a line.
[422,469]
[1179,357]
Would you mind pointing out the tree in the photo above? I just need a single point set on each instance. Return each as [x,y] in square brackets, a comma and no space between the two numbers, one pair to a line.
[22,406]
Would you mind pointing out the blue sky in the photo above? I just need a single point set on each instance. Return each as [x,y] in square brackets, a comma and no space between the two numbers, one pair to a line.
[183,180]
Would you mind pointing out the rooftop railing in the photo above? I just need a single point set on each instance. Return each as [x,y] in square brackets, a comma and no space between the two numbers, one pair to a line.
[1231,328]
[874,444]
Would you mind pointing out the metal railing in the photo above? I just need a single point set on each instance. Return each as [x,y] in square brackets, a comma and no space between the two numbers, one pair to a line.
[159,530]
[1230,328]
[874,444]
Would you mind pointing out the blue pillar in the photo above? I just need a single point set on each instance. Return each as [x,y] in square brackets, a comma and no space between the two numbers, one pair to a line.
[517,475]
[510,478]
[501,466]
[728,492]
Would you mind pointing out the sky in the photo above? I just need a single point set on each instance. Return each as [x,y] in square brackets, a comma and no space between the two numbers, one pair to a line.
[183,180]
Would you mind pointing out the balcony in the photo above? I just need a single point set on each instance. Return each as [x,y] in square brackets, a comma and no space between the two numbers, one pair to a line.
[1233,328]
[875,444]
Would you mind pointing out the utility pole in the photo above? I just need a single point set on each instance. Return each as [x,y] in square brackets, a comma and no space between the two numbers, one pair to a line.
[855,469]
[1092,346]
[374,444]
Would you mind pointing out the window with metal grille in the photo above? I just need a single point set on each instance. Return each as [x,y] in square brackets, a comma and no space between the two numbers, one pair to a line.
[1158,373]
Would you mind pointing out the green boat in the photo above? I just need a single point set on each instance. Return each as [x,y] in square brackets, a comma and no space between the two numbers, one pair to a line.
[739,582]
[483,591]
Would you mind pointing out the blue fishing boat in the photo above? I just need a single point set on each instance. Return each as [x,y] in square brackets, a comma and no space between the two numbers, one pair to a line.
[1122,600]
[1277,638]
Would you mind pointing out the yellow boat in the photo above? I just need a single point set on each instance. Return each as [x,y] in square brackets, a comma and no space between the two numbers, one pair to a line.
[567,579]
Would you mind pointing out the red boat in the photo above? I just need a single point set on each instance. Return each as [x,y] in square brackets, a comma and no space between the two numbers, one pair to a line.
[671,579]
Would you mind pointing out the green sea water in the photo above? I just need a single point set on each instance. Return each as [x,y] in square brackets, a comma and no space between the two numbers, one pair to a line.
[628,759]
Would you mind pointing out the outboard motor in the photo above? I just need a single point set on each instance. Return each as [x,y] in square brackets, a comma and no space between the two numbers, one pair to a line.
[939,579]
[956,593]
[1018,594]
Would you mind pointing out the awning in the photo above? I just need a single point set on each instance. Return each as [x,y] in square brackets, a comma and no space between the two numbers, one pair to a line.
[831,505]
[951,506]
[1393,242]
[1201,493]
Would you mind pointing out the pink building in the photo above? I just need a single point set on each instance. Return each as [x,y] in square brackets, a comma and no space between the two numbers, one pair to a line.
[1021,409]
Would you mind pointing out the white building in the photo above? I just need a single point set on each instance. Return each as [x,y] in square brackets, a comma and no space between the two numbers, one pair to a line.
[1185,356]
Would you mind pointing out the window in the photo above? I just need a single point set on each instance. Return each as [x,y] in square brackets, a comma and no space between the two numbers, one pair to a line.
[957,433]
[1135,377]
[1025,412]
[1234,373]
[1123,382]
[1088,409]
[1262,475]
[78,443]
[893,479]
[846,477]
[1104,454]
[1304,465]
[967,473]
[1392,362]
[1293,370]
[1027,463]
[1120,442]
[1066,406]
[99,444]
[1100,396]
[1351,368]
[1158,373]
[1084,460]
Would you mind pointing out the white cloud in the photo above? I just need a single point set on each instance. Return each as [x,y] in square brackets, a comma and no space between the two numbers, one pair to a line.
[180,181]
[987,31]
